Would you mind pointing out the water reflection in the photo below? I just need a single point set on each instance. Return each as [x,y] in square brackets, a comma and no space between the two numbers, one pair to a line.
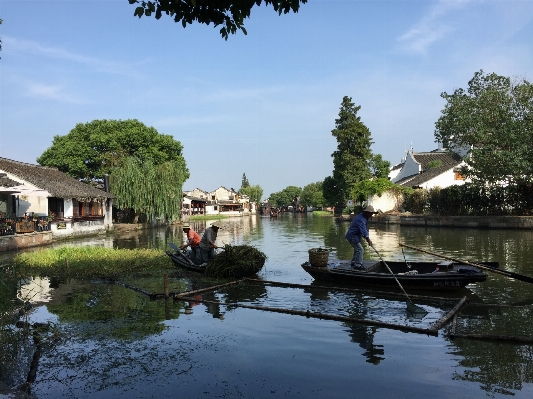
[364,336]
[104,315]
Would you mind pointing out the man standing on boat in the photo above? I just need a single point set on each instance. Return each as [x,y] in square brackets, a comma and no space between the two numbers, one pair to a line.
[356,232]
[207,244]
[193,241]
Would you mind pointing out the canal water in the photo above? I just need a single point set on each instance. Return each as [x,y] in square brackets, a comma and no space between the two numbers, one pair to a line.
[111,341]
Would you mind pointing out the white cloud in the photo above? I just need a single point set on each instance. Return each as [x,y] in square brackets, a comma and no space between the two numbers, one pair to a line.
[430,28]
[11,44]
[50,92]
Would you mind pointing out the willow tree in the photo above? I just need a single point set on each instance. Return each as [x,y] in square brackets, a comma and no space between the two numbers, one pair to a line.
[155,190]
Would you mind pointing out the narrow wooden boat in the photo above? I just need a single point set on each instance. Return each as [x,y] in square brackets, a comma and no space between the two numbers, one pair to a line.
[443,276]
[181,258]
[237,270]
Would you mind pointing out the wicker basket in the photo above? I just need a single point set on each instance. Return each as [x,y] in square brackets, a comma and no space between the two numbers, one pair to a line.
[318,257]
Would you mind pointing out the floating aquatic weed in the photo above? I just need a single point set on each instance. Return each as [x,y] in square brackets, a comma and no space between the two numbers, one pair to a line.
[90,262]
[236,261]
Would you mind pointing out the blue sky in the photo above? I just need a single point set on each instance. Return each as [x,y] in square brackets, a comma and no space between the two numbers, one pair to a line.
[263,104]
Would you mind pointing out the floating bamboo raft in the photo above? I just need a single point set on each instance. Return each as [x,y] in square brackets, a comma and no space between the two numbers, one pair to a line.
[432,330]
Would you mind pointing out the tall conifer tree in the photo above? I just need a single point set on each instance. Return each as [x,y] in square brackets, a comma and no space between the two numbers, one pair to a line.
[352,157]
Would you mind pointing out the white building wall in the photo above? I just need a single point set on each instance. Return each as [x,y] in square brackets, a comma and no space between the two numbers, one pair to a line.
[410,167]
[210,210]
[388,201]
[197,193]
[68,208]
[443,180]
[31,204]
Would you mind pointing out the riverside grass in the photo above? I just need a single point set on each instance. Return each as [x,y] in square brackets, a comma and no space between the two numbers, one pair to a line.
[236,261]
[90,262]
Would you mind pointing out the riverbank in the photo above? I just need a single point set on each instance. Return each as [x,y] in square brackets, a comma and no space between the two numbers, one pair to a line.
[474,222]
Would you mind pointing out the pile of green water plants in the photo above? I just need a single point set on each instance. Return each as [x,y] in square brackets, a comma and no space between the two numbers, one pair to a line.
[90,262]
[236,261]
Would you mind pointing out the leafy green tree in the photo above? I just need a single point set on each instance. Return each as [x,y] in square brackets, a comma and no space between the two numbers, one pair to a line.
[493,121]
[363,189]
[155,190]
[379,168]
[245,183]
[254,192]
[352,158]
[93,149]
[312,195]
[332,192]
[286,196]
[228,13]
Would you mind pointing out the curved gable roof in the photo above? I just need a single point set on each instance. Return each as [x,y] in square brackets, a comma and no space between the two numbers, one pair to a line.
[57,183]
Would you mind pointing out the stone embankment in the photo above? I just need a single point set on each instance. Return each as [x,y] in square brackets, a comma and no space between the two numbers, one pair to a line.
[474,222]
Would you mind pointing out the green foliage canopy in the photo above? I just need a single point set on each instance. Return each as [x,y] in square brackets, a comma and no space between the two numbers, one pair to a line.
[494,120]
[379,168]
[245,183]
[93,149]
[352,158]
[312,195]
[155,190]
[286,196]
[333,191]
[228,13]
[254,192]
[363,189]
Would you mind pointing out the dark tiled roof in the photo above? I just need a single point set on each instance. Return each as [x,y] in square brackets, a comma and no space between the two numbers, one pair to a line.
[197,199]
[424,158]
[226,202]
[417,180]
[7,182]
[398,166]
[52,180]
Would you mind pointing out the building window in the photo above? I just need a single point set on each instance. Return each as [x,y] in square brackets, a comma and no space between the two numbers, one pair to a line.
[458,176]
[56,205]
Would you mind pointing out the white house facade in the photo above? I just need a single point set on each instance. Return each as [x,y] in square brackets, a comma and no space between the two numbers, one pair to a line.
[425,170]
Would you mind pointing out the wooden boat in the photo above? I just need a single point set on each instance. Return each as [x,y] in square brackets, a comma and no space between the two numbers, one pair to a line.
[443,276]
[182,259]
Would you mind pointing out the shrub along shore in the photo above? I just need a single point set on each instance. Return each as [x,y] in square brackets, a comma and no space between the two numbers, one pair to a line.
[473,222]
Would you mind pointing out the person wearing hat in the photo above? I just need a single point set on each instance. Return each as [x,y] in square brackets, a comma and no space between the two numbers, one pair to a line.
[193,241]
[208,243]
[356,232]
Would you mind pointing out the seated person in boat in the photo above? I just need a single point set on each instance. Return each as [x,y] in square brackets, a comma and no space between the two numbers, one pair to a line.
[356,232]
[193,241]
[208,243]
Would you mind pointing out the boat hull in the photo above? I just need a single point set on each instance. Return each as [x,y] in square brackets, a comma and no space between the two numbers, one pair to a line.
[180,259]
[443,276]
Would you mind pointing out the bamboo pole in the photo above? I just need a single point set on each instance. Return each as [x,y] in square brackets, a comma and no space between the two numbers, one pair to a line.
[363,291]
[325,316]
[516,276]
[443,320]
[213,288]
[490,337]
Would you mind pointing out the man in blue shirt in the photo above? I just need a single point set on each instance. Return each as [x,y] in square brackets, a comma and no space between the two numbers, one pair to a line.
[359,229]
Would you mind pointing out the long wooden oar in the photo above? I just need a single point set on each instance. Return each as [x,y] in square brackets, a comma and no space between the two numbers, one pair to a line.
[411,307]
[516,276]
